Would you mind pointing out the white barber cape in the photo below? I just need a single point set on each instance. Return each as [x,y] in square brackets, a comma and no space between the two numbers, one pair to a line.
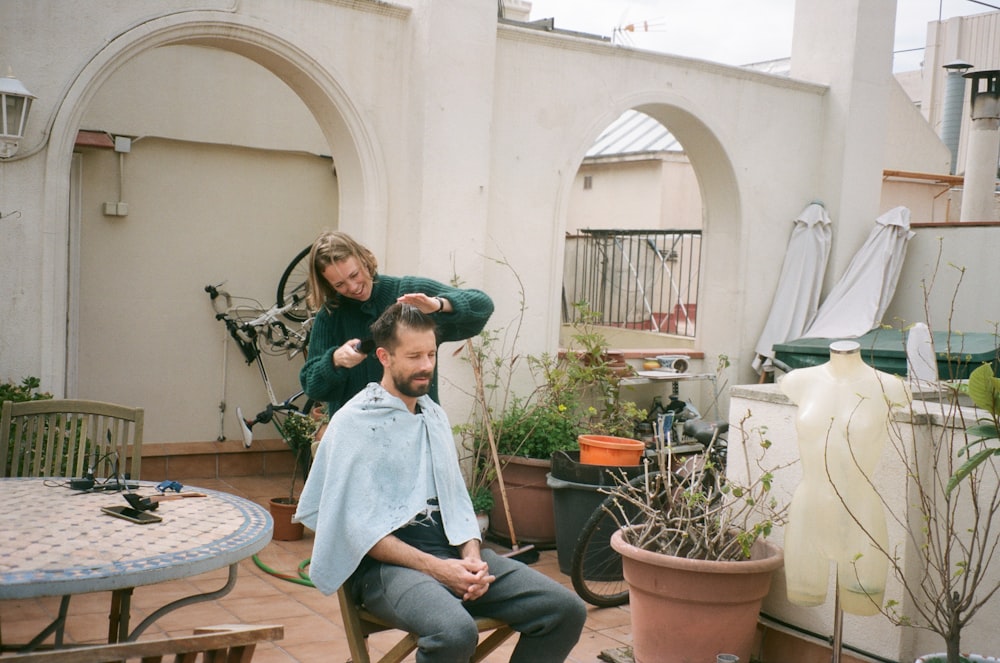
[369,476]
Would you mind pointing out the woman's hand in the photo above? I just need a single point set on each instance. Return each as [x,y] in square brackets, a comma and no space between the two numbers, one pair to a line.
[347,356]
[425,303]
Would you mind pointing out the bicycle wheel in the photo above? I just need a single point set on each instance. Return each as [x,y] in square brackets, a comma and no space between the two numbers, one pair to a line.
[294,285]
[596,569]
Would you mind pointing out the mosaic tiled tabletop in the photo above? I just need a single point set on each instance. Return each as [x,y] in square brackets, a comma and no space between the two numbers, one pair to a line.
[56,541]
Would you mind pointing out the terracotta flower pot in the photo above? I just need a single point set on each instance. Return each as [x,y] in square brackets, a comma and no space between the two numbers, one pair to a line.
[686,610]
[281,513]
[530,498]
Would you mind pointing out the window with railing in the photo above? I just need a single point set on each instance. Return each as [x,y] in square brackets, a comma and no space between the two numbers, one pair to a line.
[639,279]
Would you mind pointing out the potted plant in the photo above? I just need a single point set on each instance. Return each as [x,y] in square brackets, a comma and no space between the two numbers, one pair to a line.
[509,441]
[574,392]
[526,436]
[694,553]
[482,504]
[299,432]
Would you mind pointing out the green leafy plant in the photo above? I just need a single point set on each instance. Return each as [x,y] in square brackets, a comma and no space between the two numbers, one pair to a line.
[984,390]
[27,390]
[575,392]
[298,431]
[589,381]
[482,499]
[536,430]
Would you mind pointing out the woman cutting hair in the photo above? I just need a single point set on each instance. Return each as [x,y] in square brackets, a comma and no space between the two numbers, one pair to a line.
[348,295]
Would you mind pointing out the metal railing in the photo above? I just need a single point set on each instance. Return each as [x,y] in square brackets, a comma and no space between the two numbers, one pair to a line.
[640,279]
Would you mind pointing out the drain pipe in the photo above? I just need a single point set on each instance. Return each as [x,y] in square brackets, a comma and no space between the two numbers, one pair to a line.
[983,148]
[954,102]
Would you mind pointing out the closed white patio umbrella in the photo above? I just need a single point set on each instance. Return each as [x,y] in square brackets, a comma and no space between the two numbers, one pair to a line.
[799,285]
[857,303]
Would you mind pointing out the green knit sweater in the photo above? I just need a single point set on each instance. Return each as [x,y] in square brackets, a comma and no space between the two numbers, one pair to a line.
[352,319]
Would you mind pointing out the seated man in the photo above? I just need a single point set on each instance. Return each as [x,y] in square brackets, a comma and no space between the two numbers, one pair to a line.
[393,518]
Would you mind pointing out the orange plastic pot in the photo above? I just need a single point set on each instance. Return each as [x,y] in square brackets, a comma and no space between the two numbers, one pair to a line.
[608,450]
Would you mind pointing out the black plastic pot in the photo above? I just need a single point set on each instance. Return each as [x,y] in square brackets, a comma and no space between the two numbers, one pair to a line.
[576,493]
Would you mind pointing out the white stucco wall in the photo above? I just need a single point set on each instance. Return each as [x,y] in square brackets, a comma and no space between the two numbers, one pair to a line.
[947,280]
[456,141]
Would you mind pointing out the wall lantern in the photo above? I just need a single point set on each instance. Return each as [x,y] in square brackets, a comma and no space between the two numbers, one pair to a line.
[15,102]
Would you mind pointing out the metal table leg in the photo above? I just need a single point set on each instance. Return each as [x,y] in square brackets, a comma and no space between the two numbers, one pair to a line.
[180,603]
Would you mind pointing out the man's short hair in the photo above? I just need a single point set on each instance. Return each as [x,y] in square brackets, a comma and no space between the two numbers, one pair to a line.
[396,316]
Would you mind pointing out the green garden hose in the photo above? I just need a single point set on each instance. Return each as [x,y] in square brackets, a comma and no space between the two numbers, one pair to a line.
[302,578]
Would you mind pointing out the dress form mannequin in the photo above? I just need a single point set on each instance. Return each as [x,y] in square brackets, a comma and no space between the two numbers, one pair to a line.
[842,420]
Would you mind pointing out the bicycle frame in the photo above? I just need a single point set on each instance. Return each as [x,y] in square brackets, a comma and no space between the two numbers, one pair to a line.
[279,337]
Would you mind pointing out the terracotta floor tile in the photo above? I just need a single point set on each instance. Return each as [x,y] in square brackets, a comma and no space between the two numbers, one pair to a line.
[270,652]
[19,610]
[311,629]
[329,652]
[90,628]
[194,616]
[601,618]
[257,611]
[320,604]
[148,599]
[591,645]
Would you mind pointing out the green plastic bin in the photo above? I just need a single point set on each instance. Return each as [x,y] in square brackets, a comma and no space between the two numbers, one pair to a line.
[958,354]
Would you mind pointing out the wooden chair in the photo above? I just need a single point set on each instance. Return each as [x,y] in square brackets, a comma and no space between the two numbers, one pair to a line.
[69,438]
[226,643]
[359,623]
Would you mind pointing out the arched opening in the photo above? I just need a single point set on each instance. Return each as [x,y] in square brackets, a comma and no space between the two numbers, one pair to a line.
[191,202]
[667,248]
[633,227]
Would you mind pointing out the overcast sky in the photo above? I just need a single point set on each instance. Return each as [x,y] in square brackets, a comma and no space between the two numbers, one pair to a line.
[733,32]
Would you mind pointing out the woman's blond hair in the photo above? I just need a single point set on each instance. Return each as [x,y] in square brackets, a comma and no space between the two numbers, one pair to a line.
[330,247]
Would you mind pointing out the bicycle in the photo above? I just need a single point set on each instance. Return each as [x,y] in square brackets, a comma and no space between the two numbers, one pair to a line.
[293,287]
[596,569]
[282,329]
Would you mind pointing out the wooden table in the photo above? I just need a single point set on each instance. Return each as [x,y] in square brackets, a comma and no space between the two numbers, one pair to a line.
[55,541]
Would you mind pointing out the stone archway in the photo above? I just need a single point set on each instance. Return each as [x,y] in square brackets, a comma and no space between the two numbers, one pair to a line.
[359,159]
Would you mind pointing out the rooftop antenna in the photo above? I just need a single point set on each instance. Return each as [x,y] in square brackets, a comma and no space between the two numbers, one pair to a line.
[622,32]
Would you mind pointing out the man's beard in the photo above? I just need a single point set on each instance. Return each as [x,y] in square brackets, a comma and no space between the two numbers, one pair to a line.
[406,387]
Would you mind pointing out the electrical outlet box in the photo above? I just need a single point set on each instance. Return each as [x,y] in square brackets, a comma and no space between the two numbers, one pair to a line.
[116,209]
[123,144]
